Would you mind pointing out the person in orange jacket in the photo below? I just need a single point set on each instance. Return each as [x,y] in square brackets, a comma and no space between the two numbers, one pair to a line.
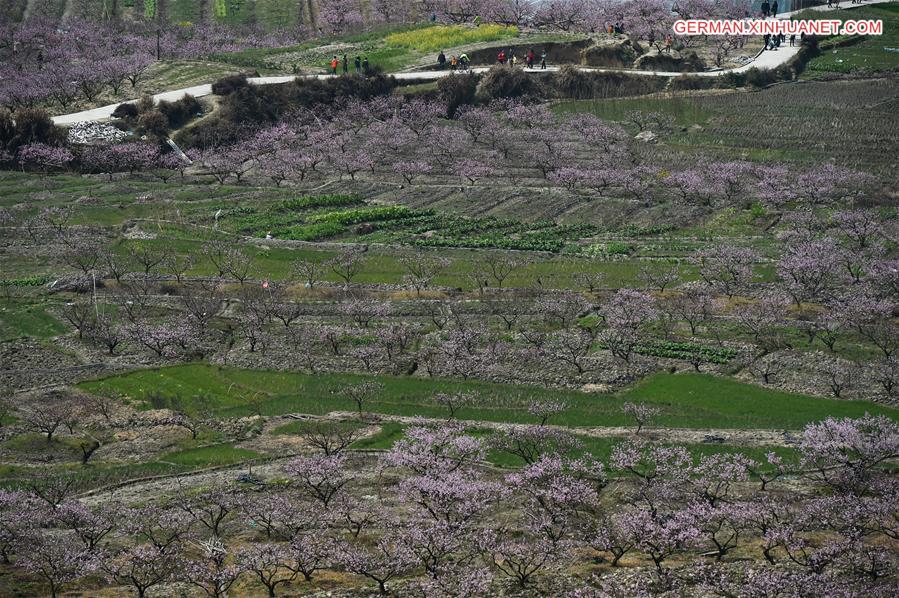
[334,63]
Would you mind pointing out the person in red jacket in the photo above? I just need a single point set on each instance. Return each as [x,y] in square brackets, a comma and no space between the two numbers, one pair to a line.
[501,57]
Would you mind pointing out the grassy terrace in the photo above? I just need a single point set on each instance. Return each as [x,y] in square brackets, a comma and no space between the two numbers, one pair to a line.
[685,400]
[858,54]
[726,124]
[27,320]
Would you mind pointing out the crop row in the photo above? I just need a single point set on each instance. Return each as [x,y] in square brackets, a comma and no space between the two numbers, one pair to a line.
[34,281]
[310,232]
[687,351]
[347,217]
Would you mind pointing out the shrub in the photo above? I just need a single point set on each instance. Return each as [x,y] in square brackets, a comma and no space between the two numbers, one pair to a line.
[731,80]
[212,132]
[249,105]
[689,82]
[34,125]
[504,82]
[457,90]
[125,110]
[179,113]
[229,84]
[153,122]
[758,78]
[145,104]
[7,128]
[616,85]
[268,103]
[573,83]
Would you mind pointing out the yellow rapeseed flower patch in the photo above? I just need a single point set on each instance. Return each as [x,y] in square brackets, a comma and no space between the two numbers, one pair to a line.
[439,37]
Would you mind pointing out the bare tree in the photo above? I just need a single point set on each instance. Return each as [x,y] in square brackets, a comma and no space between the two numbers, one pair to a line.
[422,269]
[203,302]
[105,330]
[178,264]
[509,312]
[571,347]
[105,406]
[83,256]
[309,271]
[361,393]
[453,401]
[347,264]
[79,315]
[331,437]
[498,267]
[641,413]
[49,412]
[590,281]
[658,278]
[148,257]
[115,265]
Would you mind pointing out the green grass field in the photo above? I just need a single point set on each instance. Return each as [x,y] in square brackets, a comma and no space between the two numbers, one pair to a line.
[31,320]
[684,401]
[685,110]
[872,54]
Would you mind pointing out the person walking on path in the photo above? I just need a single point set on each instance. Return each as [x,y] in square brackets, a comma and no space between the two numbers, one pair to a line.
[441,60]
[358,64]
[346,65]
[530,59]
[463,61]
[766,9]
[668,44]
[453,62]
[774,9]
[543,60]
[792,40]
[365,65]
[501,57]
[334,63]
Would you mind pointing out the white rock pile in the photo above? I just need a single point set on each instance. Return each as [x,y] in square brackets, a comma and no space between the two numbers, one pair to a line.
[87,132]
